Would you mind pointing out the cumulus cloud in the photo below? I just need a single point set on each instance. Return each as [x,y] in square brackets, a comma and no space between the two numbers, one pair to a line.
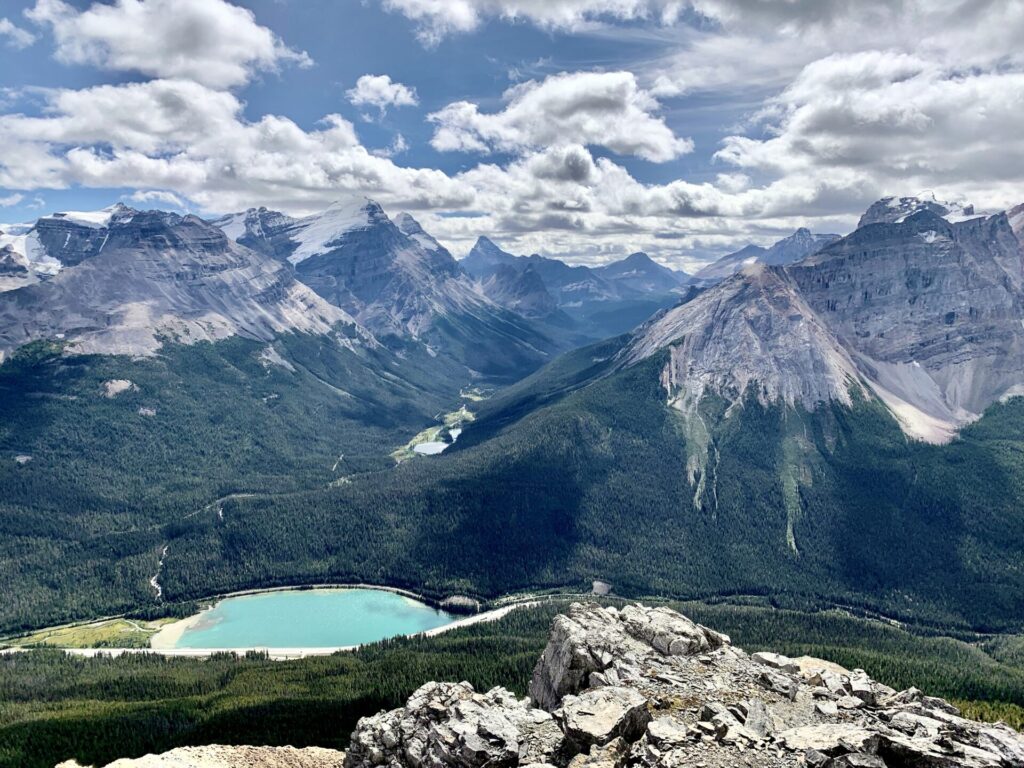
[436,19]
[10,200]
[843,103]
[144,196]
[900,120]
[181,136]
[381,92]
[208,41]
[15,36]
[606,109]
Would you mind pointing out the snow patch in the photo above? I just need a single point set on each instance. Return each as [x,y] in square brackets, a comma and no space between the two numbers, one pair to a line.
[92,219]
[233,226]
[33,255]
[315,234]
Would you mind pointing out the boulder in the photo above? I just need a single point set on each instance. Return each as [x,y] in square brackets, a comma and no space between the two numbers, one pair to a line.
[830,739]
[778,683]
[600,715]
[857,760]
[670,633]
[215,756]
[449,724]
[588,639]
[611,755]
[667,732]
[776,661]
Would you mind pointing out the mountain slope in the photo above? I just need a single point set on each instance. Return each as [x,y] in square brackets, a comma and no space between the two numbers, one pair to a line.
[523,292]
[402,285]
[154,276]
[751,433]
[157,370]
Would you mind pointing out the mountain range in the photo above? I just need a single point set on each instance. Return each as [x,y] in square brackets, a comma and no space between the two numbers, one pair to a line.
[791,421]
[789,250]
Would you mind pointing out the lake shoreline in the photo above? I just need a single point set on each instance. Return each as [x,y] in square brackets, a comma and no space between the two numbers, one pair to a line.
[169,638]
[275,653]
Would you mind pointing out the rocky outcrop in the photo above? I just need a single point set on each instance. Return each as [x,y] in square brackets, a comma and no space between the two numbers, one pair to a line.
[450,724]
[754,330]
[648,688]
[645,687]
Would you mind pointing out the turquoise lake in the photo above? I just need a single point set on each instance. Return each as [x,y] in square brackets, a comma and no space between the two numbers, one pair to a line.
[314,618]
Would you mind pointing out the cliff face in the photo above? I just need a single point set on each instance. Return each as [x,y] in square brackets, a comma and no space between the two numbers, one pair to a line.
[924,296]
[648,688]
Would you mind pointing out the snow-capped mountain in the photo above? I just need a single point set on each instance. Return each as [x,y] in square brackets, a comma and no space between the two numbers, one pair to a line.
[932,310]
[41,249]
[397,281]
[788,250]
[894,210]
[138,278]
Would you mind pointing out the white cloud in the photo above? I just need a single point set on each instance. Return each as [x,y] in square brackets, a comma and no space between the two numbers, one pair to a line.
[157,196]
[15,35]
[844,103]
[191,140]
[436,19]
[381,92]
[606,109]
[397,147]
[10,200]
[209,41]
[899,120]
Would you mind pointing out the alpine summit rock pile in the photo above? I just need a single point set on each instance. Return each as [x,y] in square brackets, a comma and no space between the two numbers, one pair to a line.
[648,688]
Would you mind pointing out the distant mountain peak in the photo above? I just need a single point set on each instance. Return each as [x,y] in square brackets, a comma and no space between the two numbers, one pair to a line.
[149,276]
[411,228]
[788,250]
[94,219]
[639,257]
[896,210]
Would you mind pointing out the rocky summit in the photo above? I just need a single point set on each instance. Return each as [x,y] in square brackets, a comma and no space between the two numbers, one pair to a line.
[649,688]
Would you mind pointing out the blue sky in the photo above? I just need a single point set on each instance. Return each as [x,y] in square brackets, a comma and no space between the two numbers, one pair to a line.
[581,128]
